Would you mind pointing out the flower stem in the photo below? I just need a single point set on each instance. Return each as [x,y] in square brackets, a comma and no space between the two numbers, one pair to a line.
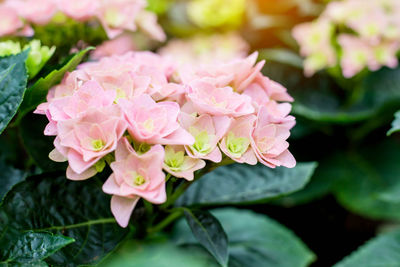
[167,221]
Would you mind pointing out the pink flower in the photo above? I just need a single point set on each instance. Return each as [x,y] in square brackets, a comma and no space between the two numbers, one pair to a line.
[135,176]
[207,131]
[79,9]
[118,46]
[147,22]
[10,22]
[355,54]
[238,73]
[236,143]
[269,142]
[179,165]
[88,138]
[34,12]
[89,95]
[315,44]
[384,54]
[154,123]
[205,49]
[263,90]
[119,15]
[313,35]
[209,99]
[279,113]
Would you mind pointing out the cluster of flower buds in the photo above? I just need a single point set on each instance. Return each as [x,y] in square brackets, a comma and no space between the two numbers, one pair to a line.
[37,57]
[116,16]
[144,116]
[353,33]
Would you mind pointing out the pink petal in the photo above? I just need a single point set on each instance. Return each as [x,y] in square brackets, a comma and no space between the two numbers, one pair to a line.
[122,208]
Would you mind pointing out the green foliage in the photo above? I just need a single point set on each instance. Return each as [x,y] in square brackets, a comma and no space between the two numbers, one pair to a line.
[210,234]
[380,251]
[254,240]
[38,92]
[367,180]
[395,124]
[31,248]
[323,99]
[13,79]
[240,183]
[9,176]
[158,253]
[79,210]
[284,56]
[36,144]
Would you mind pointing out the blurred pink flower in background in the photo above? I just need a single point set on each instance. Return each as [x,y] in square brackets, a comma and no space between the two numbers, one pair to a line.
[355,33]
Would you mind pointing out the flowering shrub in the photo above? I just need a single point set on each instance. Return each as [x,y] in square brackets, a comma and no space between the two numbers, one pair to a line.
[119,150]
[141,114]
[353,33]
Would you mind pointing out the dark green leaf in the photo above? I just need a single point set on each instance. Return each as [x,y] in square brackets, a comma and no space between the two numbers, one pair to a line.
[210,234]
[52,203]
[158,253]
[395,124]
[321,183]
[254,240]
[38,92]
[9,176]
[321,99]
[383,250]
[30,247]
[240,183]
[366,178]
[13,79]
[37,144]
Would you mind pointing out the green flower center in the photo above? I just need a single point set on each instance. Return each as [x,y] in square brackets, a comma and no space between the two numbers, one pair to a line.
[97,144]
[138,179]
[174,160]
[237,146]
[202,141]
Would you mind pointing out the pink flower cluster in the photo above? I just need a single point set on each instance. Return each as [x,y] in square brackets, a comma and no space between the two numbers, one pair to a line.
[355,33]
[144,116]
[116,16]
[204,48]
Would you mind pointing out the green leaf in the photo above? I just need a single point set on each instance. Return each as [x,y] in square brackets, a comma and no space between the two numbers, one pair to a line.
[284,56]
[158,253]
[367,178]
[254,240]
[13,79]
[209,232]
[395,124]
[321,99]
[321,183]
[240,183]
[36,144]
[38,92]
[52,203]
[31,247]
[9,176]
[383,250]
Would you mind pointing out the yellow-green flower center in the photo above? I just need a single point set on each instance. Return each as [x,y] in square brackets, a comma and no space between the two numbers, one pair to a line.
[202,141]
[138,179]
[174,160]
[149,125]
[97,144]
[237,146]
